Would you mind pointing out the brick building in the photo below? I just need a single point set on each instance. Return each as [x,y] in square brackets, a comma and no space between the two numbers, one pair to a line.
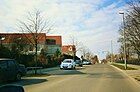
[25,42]
[68,49]
[53,44]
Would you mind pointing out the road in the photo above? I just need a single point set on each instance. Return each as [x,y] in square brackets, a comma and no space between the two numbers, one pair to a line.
[92,78]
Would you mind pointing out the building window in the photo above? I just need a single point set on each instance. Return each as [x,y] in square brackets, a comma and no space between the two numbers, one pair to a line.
[51,42]
[70,49]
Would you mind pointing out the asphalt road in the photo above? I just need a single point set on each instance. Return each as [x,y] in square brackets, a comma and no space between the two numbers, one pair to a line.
[93,78]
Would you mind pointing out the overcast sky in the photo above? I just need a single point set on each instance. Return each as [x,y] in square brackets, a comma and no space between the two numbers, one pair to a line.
[93,22]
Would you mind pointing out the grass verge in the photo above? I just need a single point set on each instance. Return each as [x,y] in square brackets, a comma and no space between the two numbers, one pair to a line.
[123,67]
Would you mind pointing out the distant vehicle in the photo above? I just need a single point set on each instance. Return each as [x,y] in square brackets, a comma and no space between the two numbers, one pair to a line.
[86,62]
[11,70]
[68,64]
[78,63]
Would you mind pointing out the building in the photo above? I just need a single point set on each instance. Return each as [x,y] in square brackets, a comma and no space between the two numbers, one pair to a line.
[54,44]
[68,49]
[25,42]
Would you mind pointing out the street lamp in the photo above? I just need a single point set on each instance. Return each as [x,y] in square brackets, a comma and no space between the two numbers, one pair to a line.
[112,56]
[124,36]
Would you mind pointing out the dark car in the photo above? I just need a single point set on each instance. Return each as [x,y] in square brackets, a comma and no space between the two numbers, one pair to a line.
[87,62]
[78,63]
[11,70]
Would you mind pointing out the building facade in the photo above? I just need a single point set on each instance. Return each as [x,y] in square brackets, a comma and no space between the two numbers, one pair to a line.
[26,42]
[68,49]
[53,44]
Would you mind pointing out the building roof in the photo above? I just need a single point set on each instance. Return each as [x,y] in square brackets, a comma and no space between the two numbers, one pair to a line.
[29,37]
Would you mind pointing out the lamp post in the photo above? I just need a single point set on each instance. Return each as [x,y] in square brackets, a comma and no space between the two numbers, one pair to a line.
[112,54]
[124,36]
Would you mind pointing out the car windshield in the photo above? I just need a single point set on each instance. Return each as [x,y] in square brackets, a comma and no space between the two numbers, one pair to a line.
[67,61]
[77,61]
[89,61]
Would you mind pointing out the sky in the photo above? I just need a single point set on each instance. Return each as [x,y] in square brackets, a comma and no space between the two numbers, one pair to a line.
[94,23]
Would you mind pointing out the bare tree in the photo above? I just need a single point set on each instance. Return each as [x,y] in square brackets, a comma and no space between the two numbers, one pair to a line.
[89,55]
[86,53]
[133,25]
[35,24]
[83,51]
[132,28]
[75,44]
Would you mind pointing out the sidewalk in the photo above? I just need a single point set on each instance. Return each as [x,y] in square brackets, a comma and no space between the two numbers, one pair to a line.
[135,74]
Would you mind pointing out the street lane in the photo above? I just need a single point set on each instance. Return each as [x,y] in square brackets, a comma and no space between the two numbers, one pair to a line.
[93,78]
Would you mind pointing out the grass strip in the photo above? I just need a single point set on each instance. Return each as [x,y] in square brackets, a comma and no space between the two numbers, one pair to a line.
[123,67]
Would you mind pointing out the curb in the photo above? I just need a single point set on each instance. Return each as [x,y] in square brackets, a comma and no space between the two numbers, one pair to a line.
[44,70]
[51,69]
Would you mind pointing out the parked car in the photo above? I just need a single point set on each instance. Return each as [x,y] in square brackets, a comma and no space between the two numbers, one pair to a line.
[78,63]
[86,62]
[11,70]
[11,88]
[67,64]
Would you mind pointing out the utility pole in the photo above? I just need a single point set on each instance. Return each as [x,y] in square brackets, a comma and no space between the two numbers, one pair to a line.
[112,60]
[124,36]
